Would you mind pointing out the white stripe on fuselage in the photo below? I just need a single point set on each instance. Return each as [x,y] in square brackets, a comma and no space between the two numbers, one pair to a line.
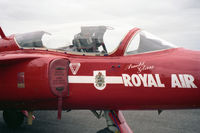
[138,80]
[91,79]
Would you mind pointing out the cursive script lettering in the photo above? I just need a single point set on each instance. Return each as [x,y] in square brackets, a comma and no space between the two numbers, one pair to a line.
[140,67]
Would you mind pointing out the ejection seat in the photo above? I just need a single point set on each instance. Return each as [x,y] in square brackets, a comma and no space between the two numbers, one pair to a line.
[90,39]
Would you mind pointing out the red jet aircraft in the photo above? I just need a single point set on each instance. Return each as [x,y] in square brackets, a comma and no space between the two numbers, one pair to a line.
[143,73]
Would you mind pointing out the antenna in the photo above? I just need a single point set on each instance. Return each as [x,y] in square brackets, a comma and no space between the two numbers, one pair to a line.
[3,36]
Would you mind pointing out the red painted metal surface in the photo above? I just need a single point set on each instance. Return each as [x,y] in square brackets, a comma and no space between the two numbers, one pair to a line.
[124,43]
[58,79]
[8,44]
[3,36]
[117,96]
[35,79]
[37,93]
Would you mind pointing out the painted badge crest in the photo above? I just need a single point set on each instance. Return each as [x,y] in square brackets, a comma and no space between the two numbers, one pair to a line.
[74,67]
[100,82]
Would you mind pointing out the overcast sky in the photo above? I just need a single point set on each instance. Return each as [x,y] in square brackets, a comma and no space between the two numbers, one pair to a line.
[177,21]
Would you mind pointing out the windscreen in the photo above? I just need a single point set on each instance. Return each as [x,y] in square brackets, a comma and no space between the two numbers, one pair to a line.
[144,42]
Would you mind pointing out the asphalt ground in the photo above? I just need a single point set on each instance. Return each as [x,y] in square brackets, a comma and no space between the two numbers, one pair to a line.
[82,121]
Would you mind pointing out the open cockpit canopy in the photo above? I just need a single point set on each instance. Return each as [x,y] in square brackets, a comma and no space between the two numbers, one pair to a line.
[91,39]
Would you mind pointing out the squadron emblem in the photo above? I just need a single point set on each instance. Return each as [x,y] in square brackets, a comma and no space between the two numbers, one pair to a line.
[100,80]
[99,76]
[74,67]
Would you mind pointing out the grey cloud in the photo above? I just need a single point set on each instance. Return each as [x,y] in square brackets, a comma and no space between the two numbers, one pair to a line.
[165,18]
